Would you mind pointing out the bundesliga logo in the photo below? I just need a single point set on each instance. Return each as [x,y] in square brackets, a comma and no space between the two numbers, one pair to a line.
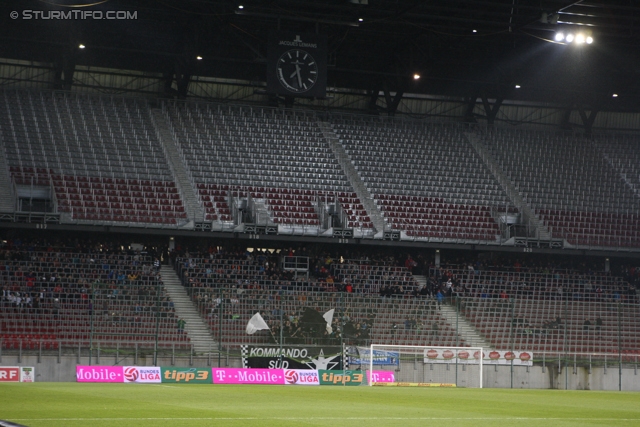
[131,374]
[291,377]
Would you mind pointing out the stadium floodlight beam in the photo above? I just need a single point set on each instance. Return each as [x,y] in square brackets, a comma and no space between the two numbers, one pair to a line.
[569,38]
[580,38]
[589,40]
[559,36]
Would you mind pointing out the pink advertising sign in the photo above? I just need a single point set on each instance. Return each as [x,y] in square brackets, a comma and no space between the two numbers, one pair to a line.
[381,377]
[99,374]
[247,376]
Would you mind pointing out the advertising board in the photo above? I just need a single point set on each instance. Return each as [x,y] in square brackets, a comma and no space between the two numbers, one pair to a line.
[247,376]
[99,374]
[187,375]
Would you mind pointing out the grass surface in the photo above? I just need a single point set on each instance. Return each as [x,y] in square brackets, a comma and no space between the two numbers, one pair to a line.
[124,405]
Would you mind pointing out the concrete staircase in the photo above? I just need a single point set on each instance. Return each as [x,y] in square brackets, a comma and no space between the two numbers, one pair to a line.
[7,201]
[466,330]
[352,174]
[197,330]
[623,176]
[541,231]
[195,212]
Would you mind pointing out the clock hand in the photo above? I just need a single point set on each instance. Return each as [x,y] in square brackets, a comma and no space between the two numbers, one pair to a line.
[299,76]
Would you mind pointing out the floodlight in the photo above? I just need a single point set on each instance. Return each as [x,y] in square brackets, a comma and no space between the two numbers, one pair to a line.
[580,38]
[81,46]
[416,76]
[475,31]
[569,38]
[615,95]
[199,58]
[518,86]
[240,6]
[360,19]
[559,36]
[589,40]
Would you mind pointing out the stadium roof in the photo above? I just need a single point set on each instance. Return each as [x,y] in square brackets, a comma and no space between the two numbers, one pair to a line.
[460,48]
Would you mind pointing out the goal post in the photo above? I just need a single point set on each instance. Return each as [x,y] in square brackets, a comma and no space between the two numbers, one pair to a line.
[422,366]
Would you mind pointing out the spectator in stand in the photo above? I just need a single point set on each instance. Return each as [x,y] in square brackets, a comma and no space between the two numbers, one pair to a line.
[410,263]
[598,325]
[440,298]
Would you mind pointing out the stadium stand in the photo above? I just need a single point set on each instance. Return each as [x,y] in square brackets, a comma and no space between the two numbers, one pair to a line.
[546,311]
[230,289]
[99,156]
[278,158]
[540,306]
[47,301]
[425,178]
[570,185]
[101,161]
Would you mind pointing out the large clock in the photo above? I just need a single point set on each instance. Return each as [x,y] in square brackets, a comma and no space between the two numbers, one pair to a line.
[297,71]
[297,65]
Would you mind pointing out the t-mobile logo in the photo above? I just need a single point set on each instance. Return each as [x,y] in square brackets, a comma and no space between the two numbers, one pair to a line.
[220,375]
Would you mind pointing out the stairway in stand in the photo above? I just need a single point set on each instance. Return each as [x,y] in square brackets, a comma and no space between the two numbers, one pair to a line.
[197,330]
[466,330]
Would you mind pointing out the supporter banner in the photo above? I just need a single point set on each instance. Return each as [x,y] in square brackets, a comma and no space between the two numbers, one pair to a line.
[141,374]
[247,376]
[321,358]
[301,377]
[9,374]
[186,375]
[99,374]
[362,356]
[27,374]
[495,357]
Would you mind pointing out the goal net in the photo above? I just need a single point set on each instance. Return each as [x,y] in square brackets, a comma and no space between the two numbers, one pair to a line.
[420,366]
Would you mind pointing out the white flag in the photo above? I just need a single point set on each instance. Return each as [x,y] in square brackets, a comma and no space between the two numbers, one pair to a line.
[328,316]
[256,324]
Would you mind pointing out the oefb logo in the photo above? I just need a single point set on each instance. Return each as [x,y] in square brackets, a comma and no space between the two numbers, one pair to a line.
[131,374]
[291,377]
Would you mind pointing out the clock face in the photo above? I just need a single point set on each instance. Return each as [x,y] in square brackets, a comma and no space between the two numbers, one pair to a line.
[297,71]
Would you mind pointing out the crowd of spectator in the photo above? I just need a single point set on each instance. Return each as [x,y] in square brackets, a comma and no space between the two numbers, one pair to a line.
[45,276]
[66,281]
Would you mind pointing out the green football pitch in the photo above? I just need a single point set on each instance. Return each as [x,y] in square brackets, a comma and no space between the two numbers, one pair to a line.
[124,405]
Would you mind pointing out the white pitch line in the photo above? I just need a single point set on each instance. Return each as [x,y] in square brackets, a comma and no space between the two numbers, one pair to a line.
[338,418]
